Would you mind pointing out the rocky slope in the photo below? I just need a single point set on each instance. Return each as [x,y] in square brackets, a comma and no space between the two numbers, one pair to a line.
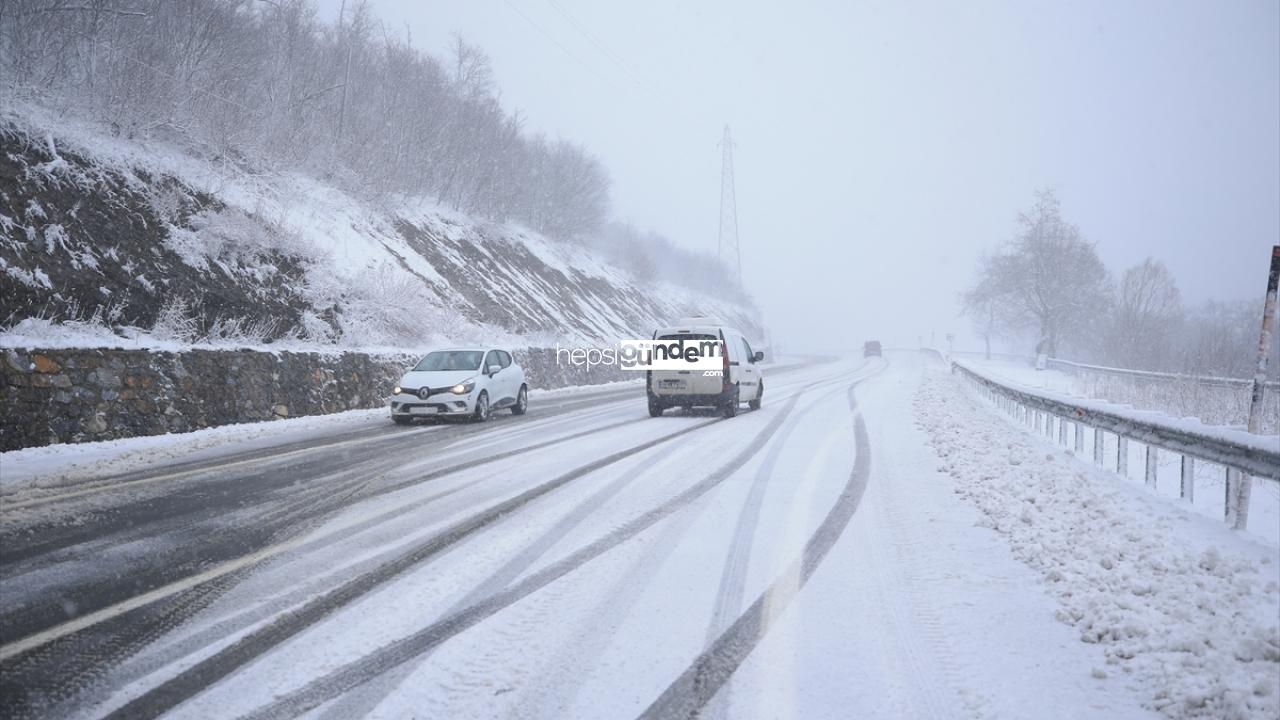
[190,247]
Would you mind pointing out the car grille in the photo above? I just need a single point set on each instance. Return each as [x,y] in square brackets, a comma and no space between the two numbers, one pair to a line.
[414,393]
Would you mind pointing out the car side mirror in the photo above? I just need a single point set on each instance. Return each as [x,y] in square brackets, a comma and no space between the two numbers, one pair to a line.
[758,357]
[494,369]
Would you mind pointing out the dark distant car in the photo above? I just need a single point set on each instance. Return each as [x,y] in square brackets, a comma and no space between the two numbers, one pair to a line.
[871,349]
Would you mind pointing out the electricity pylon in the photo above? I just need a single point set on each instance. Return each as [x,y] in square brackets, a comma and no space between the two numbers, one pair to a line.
[727,246]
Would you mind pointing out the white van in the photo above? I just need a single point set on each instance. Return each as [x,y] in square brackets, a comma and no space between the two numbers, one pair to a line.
[739,379]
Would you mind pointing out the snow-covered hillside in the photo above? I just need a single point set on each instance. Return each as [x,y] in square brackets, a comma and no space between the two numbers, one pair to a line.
[193,246]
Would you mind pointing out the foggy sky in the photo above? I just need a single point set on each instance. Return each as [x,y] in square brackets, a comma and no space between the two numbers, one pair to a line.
[880,147]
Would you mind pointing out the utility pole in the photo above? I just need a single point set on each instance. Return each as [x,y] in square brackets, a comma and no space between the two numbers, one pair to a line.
[1238,497]
[727,244]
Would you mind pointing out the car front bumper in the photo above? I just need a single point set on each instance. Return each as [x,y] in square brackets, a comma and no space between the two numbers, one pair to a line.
[406,405]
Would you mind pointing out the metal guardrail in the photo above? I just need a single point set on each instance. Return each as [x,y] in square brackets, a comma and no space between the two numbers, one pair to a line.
[1044,413]
[1148,375]
[1076,368]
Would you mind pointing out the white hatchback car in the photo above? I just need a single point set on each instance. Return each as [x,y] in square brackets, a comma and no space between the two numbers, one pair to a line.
[462,382]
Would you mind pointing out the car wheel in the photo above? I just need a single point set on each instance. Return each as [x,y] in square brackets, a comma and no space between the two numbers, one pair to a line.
[401,419]
[482,407]
[522,401]
[755,404]
[655,408]
[730,408]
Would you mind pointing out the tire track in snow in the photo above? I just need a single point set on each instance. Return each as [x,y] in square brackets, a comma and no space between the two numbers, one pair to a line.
[362,701]
[332,504]
[32,658]
[395,654]
[733,577]
[600,628]
[205,673]
[695,687]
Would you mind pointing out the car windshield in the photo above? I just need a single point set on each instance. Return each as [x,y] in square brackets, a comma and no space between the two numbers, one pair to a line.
[451,360]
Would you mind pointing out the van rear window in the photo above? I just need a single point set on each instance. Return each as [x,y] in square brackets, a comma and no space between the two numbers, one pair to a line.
[688,336]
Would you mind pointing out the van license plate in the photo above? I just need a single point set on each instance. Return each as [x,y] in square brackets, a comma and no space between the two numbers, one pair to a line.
[673,384]
[423,410]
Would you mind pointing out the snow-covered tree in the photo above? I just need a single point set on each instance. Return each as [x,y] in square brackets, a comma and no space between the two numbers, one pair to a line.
[1049,278]
[1146,316]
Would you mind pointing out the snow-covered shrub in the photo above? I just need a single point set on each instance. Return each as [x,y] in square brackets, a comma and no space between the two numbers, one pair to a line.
[176,321]
[391,308]
[232,237]
[166,201]
[313,328]
[240,331]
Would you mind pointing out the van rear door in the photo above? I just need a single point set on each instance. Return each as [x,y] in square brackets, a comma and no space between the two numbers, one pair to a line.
[668,383]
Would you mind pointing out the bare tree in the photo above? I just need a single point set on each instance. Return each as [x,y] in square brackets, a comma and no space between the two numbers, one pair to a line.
[1049,278]
[987,307]
[1146,316]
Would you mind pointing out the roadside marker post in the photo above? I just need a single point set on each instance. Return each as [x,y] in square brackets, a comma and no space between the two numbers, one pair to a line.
[1238,497]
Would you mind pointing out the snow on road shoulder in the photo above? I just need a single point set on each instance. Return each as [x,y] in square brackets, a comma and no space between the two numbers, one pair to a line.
[1025,374]
[1184,607]
[32,472]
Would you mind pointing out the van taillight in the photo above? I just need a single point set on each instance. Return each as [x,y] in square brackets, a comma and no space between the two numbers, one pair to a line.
[724,352]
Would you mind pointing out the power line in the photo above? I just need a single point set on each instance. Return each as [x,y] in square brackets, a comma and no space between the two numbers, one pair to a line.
[599,45]
[558,44]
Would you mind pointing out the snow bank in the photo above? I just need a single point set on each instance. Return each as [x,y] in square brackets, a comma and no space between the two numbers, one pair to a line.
[1185,608]
[31,472]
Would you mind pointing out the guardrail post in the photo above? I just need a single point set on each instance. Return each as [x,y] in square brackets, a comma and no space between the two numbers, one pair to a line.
[1062,431]
[1097,447]
[1079,438]
[1237,511]
[1227,494]
[1122,455]
[1153,454]
[1188,488]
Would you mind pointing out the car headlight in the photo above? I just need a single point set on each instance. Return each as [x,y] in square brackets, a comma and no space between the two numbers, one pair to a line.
[463,388]
[396,390]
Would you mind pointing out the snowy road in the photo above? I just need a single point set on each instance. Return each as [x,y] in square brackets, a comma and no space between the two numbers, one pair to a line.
[805,560]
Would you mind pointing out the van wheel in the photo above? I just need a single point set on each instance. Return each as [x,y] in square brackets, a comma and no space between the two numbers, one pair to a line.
[522,401]
[655,408]
[730,408]
[755,404]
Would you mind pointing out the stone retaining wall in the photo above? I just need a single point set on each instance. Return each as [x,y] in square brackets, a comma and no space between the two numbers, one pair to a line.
[81,395]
